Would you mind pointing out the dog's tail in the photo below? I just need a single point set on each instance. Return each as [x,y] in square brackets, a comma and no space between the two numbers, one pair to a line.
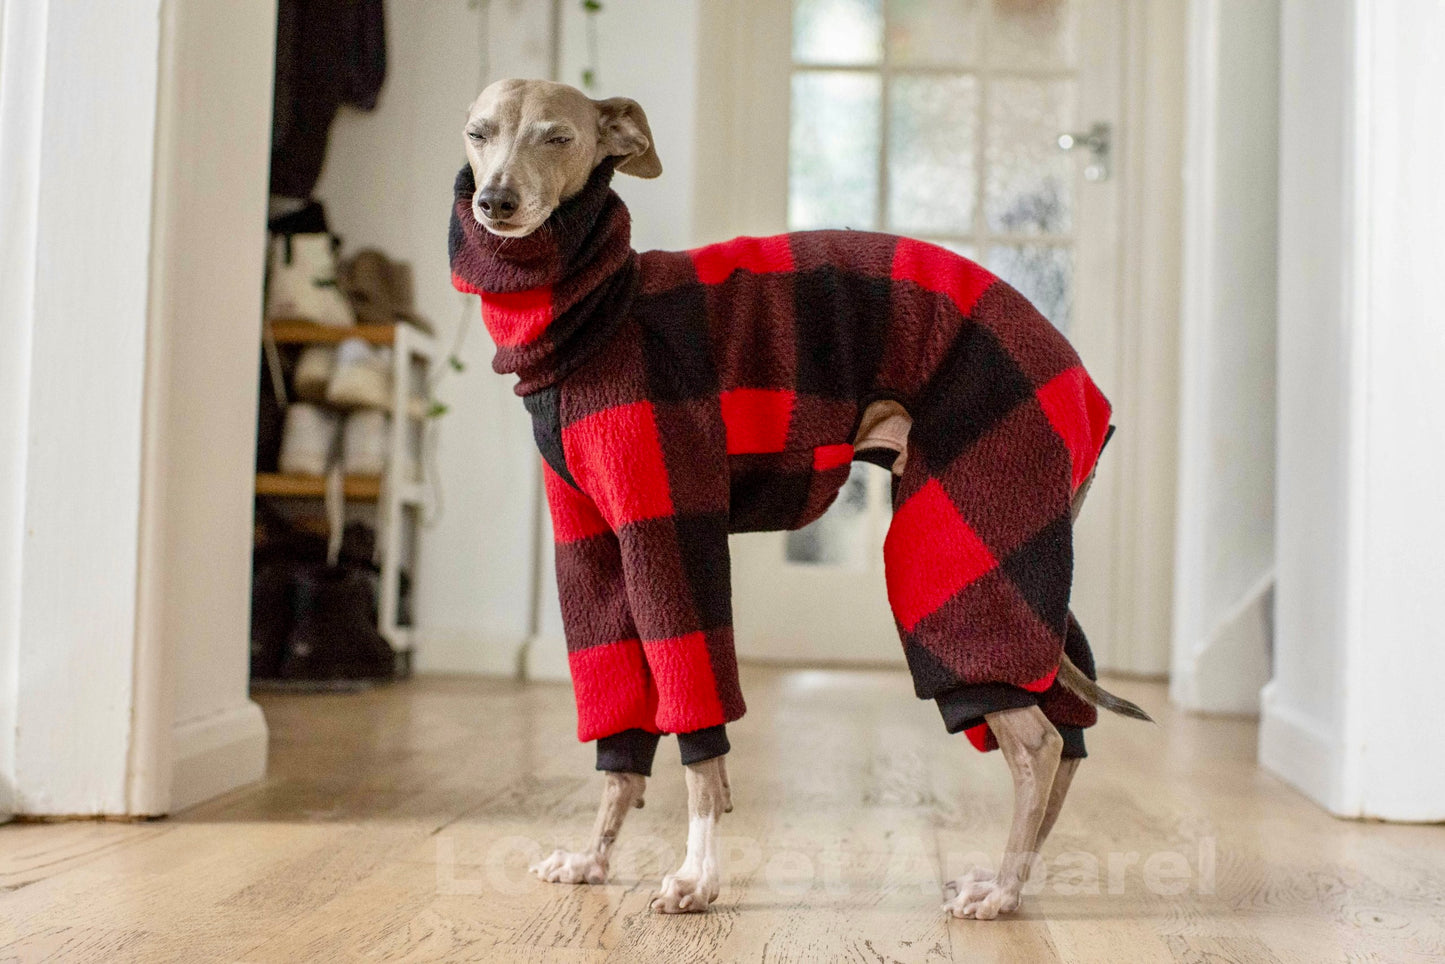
[1073,679]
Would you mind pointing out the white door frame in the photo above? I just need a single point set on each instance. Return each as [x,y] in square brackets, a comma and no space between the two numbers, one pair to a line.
[1145,449]
[1225,544]
[133,158]
[1350,715]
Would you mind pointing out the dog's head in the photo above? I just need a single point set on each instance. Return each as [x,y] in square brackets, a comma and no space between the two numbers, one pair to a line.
[533,143]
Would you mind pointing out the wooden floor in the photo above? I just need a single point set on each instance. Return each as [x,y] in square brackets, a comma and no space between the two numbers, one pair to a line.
[396,825]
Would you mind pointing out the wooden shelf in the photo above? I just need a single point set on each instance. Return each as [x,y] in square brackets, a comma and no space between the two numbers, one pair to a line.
[299,332]
[366,488]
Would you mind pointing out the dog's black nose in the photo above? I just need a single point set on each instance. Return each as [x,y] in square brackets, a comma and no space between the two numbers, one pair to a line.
[498,202]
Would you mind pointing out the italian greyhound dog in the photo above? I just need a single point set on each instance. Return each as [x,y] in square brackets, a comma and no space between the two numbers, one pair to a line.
[677,397]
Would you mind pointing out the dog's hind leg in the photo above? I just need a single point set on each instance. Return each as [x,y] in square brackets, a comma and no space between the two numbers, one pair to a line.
[1062,780]
[620,793]
[695,885]
[1032,748]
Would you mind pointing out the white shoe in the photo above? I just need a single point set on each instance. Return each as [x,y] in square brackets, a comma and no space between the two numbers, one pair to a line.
[307,439]
[313,372]
[301,282]
[362,378]
[364,442]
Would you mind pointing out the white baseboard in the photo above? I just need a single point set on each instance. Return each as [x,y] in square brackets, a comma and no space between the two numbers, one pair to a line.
[1299,751]
[216,754]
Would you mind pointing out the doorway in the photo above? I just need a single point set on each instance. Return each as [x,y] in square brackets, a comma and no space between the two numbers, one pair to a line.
[1022,105]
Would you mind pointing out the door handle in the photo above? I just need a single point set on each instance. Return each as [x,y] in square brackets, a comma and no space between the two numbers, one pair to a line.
[1098,140]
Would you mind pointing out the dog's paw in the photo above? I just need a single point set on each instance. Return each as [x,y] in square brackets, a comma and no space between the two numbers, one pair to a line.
[982,899]
[686,892]
[969,877]
[564,867]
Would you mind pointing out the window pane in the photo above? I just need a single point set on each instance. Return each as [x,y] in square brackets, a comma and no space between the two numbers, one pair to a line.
[933,125]
[1029,185]
[1042,274]
[833,150]
[840,536]
[837,31]
[1034,33]
[933,32]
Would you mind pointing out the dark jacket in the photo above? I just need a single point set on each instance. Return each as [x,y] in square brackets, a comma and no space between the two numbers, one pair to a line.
[328,53]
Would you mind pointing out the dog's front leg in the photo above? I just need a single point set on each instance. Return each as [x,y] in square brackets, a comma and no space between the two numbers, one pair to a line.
[694,885]
[620,793]
[1032,748]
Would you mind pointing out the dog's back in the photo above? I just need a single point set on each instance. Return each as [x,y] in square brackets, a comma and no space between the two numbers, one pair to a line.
[796,334]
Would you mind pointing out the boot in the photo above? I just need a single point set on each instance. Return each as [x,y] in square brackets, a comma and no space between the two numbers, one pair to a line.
[301,283]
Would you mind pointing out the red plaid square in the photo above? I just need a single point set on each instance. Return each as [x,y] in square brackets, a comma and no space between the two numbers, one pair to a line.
[756,419]
[687,696]
[716,262]
[827,457]
[938,269]
[616,458]
[1078,412]
[613,689]
[920,582]
[574,516]
[517,318]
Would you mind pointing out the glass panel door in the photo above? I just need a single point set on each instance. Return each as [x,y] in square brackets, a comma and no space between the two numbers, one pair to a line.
[939,120]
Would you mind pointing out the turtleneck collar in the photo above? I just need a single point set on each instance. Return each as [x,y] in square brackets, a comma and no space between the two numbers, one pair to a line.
[550,299]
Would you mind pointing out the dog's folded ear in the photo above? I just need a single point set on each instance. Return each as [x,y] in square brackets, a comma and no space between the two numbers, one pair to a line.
[622,131]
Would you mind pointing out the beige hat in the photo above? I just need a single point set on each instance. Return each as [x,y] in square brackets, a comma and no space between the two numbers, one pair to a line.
[380,289]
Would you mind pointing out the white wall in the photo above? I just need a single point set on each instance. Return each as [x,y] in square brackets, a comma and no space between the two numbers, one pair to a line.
[1224,557]
[647,50]
[387,183]
[1351,716]
[131,300]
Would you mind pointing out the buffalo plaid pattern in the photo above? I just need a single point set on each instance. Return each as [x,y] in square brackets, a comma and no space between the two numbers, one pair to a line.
[725,398]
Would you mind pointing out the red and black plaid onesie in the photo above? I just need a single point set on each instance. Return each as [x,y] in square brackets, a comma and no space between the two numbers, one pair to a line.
[680,396]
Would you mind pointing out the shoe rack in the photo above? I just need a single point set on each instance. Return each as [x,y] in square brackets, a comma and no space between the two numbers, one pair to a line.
[399,492]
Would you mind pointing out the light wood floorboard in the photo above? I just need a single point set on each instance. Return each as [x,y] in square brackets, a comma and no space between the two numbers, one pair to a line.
[396,824]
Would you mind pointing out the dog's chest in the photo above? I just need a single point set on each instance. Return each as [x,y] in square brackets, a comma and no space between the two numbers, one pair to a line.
[722,457]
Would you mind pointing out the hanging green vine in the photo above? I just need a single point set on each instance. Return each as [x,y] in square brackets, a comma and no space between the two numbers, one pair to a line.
[591,8]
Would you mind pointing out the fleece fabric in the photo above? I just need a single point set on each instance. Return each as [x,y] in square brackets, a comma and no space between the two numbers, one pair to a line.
[680,396]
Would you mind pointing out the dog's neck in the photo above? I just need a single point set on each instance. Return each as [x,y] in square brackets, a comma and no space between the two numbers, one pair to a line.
[550,299]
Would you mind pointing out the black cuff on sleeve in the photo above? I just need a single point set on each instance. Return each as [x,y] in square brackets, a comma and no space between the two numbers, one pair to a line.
[1073,742]
[630,751]
[702,745]
[965,706]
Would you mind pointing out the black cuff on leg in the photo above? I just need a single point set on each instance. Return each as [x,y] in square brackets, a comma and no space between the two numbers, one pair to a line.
[630,751]
[702,745]
[1073,742]
[964,707]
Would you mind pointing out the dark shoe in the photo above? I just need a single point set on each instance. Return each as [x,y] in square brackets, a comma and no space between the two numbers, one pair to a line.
[334,636]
